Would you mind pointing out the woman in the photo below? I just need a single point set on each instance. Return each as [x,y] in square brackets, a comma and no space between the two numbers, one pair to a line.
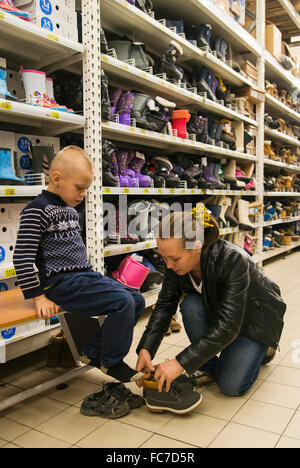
[230,307]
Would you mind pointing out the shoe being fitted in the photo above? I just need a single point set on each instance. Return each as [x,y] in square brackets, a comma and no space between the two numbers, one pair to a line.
[124,395]
[181,399]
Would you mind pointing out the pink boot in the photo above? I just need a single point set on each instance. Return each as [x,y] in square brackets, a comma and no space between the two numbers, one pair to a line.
[131,273]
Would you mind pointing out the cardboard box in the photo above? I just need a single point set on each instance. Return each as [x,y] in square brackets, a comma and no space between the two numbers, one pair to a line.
[250,70]
[273,41]
[255,95]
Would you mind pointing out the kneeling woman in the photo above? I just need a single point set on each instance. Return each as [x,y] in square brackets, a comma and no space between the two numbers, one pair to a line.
[230,307]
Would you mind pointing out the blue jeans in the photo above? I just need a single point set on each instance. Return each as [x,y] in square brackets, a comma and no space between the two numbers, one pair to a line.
[90,294]
[239,363]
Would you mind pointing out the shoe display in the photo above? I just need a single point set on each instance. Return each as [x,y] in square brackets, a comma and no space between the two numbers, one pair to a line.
[9,7]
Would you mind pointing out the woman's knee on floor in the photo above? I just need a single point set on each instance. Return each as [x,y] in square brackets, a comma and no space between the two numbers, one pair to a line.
[233,387]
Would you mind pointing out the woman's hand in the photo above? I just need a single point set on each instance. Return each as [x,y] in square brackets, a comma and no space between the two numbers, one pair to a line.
[166,372]
[144,364]
[45,309]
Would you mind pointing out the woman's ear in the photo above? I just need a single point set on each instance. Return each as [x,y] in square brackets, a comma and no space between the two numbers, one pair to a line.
[198,244]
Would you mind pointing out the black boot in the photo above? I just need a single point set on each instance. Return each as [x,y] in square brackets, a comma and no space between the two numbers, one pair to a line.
[167,64]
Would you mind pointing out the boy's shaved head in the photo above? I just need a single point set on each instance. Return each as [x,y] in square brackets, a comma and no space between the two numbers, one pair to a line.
[70,159]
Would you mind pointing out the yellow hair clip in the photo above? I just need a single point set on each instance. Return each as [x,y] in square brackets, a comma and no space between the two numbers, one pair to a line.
[201,213]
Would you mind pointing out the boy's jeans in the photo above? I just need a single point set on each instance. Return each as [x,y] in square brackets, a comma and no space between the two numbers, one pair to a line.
[239,363]
[91,294]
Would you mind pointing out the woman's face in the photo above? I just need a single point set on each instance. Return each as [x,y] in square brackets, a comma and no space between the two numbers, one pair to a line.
[177,258]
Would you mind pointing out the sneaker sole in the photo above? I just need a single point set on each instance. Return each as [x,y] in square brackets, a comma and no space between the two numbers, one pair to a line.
[161,409]
[94,413]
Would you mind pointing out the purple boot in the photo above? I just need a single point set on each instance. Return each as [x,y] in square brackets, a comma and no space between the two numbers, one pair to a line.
[136,164]
[114,96]
[125,179]
[124,107]
[209,176]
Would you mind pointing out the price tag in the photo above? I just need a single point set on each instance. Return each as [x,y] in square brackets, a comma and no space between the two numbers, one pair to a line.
[125,67]
[107,190]
[172,190]
[105,58]
[147,245]
[128,249]
[160,191]
[107,253]
[143,131]
[126,190]
[132,129]
[10,273]
[9,191]
[5,105]
[193,191]
[183,191]
[146,190]
[54,115]
[53,37]
[2,16]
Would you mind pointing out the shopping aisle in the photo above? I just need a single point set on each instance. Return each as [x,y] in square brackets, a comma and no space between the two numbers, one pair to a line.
[268,416]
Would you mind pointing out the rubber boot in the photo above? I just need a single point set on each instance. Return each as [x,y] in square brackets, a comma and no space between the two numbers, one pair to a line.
[149,170]
[243,216]
[224,202]
[140,111]
[138,216]
[201,34]
[42,157]
[4,93]
[126,180]
[229,171]
[9,7]
[180,118]
[106,112]
[164,168]
[124,107]
[268,151]
[35,86]
[204,81]
[136,165]
[230,213]
[216,174]
[161,114]
[108,150]
[6,169]
[167,64]
[209,176]
[50,94]
[114,96]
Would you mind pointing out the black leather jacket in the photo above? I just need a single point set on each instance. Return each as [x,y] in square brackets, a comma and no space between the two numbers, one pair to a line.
[238,299]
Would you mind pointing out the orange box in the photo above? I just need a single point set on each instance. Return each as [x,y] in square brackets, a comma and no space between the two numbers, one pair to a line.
[273,40]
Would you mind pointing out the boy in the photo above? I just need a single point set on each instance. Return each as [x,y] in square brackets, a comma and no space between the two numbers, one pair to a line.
[49,237]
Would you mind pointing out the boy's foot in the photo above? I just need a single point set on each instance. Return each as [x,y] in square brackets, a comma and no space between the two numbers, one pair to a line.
[105,405]
[123,394]
[120,371]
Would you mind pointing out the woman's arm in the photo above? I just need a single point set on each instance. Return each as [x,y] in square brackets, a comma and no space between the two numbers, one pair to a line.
[230,315]
[161,317]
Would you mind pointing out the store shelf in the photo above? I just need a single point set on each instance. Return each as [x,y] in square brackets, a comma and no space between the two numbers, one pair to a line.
[151,297]
[37,120]
[173,191]
[121,17]
[281,221]
[21,190]
[281,165]
[282,194]
[205,11]
[22,43]
[276,72]
[280,250]
[139,136]
[278,109]
[281,136]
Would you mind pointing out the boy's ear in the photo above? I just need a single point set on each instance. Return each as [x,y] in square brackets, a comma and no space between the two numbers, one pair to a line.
[55,177]
[198,244]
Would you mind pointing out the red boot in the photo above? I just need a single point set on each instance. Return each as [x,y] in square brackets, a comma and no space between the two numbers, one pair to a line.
[179,120]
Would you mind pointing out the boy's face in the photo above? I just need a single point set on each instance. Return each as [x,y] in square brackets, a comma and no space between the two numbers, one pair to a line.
[73,189]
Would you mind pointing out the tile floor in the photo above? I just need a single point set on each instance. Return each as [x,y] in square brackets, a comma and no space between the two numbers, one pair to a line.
[267,416]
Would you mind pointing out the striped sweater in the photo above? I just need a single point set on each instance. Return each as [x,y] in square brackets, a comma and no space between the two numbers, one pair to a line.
[48,238]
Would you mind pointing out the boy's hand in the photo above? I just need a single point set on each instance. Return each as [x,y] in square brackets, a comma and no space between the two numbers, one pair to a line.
[45,309]
[144,364]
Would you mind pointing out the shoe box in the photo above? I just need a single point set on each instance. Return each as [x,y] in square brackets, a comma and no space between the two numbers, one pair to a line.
[58,16]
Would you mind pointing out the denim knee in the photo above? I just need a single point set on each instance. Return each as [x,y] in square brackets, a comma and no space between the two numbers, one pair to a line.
[191,304]
[232,388]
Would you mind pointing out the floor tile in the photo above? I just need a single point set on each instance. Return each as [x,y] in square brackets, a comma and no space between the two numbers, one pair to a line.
[34,411]
[194,428]
[293,429]
[285,375]
[10,430]
[287,442]
[218,405]
[35,439]
[77,390]
[277,394]
[144,419]
[70,425]
[238,436]
[115,434]
[158,441]
[264,416]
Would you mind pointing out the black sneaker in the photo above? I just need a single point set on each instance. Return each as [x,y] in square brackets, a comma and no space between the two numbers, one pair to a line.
[124,395]
[104,405]
[200,377]
[178,400]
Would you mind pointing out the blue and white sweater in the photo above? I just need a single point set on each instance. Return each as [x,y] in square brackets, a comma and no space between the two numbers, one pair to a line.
[49,237]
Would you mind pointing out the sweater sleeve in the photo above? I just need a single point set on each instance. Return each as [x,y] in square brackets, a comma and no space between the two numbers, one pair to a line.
[32,225]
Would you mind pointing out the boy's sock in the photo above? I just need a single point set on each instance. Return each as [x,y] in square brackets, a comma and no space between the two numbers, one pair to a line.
[120,371]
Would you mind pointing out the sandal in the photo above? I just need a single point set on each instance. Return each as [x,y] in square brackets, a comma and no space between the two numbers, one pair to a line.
[104,405]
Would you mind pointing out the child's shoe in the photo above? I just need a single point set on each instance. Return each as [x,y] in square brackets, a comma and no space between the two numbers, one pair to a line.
[104,405]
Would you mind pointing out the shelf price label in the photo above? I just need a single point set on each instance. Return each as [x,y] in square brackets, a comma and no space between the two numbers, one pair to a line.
[10,273]
[53,37]
[2,16]
[5,105]
[9,191]
[54,115]
[107,190]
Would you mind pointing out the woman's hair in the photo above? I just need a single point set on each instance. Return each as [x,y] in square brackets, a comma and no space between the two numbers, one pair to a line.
[183,225]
